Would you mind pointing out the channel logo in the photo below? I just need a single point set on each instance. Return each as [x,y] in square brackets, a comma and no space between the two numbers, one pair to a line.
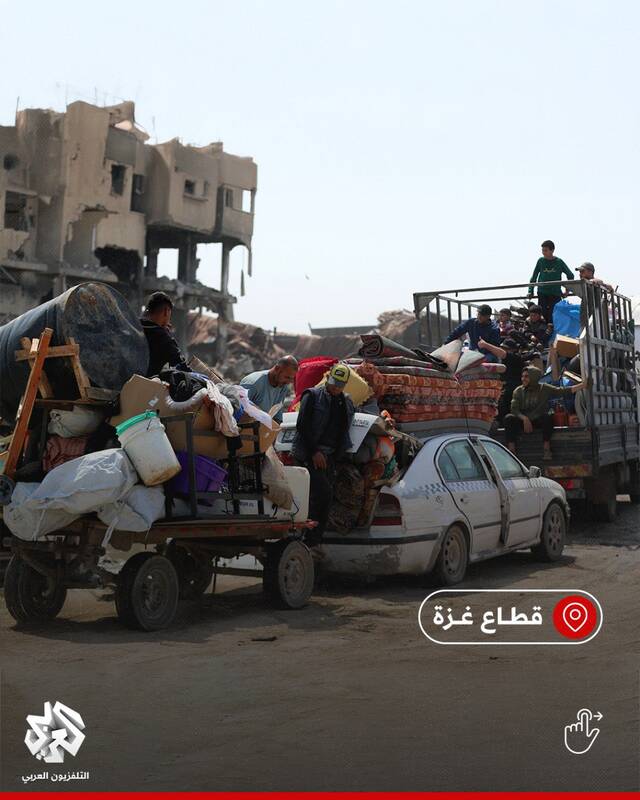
[510,617]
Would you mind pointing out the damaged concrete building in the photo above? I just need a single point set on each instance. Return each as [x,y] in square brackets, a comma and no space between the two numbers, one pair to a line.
[84,196]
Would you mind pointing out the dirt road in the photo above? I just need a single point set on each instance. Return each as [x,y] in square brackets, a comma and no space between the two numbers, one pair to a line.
[345,694]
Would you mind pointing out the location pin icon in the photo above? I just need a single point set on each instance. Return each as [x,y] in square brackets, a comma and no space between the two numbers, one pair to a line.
[575,616]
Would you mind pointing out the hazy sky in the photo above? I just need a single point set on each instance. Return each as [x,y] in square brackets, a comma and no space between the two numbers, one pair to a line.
[401,146]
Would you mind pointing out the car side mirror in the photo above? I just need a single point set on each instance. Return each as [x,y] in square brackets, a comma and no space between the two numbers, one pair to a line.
[535,472]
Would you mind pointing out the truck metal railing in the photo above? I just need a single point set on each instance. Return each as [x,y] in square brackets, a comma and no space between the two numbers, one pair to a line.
[607,342]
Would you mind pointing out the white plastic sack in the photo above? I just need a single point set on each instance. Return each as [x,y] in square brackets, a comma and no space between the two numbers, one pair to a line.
[78,487]
[79,422]
[252,410]
[26,521]
[135,512]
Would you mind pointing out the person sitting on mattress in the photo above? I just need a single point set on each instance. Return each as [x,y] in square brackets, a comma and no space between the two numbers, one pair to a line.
[476,328]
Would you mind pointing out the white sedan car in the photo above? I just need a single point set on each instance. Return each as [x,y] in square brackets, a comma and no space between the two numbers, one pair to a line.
[464,498]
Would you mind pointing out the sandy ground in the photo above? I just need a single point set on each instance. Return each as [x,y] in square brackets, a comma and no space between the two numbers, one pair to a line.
[345,694]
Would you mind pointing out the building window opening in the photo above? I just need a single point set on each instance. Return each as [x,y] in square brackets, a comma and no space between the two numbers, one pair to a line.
[118,173]
[10,161]
[246,201]
[228,198]
[15,212]
[137,193]
[205,189]
[190,187]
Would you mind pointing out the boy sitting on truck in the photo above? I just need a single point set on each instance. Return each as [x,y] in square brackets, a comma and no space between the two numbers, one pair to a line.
[530,409]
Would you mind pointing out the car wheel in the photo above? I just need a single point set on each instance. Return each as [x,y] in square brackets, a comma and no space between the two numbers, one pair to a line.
[453,558]
[553,534]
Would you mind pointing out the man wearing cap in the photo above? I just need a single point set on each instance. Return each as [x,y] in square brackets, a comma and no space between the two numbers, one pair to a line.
[586,272]
[476,328]
[322,436]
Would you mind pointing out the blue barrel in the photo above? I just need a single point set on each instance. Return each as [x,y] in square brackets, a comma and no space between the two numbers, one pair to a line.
[113,346]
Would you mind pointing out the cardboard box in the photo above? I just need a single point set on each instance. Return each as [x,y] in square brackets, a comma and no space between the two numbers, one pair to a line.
[566,346]
[141,394]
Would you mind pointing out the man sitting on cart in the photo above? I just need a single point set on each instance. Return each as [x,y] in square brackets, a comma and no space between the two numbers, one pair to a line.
[322,437]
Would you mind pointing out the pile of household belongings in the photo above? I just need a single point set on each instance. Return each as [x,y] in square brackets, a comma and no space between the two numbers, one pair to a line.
[450,387]
[115,462]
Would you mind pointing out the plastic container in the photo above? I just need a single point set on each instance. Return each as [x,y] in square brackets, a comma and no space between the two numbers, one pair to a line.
[143,439]
[210,476]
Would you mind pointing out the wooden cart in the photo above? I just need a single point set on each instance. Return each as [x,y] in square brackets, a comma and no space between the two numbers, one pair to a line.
[179,561]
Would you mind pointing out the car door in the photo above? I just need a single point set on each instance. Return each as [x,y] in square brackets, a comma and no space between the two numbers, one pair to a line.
[473,492]
[523,497]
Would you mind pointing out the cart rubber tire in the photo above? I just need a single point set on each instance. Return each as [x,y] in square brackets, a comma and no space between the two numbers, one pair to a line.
[195,574]
[608,511]
[147,592]
[453,558]
[31,597]
[288,574]
[553,534]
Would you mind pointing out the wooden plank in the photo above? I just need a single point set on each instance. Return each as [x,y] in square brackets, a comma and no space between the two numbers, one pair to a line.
[26,405]
[81,376]
[60,351]
[46,390]
[103,395]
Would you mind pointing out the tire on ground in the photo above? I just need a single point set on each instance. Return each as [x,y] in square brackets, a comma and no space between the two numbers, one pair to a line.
[288,574]
[553,534]
[29,595]
[147,592]
[453,558]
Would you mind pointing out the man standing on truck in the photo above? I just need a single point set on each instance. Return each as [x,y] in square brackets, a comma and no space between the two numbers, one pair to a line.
[156,324]
[549,268]
[530,408]
[480,327]
[322,436]
[271,387]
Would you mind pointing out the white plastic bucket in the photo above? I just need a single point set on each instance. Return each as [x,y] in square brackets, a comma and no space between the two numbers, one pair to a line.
[143,439]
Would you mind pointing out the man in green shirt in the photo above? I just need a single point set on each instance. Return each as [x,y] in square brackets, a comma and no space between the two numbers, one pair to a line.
[549,268]
[530,408]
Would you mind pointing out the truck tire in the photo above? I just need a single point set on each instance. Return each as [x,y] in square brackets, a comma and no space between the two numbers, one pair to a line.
[634,483]
[288,574]
[602,493]
[552,535]
[147,592]
[453,558]
[607,511]
[31,597]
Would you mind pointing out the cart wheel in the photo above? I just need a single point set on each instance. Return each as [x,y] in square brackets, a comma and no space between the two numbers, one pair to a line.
[288,574]
[6,490]
[195,572]
[29,595]
[147,592]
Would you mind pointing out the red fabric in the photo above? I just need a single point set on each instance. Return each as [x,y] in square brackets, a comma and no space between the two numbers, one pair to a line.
[62,449]
[310,373]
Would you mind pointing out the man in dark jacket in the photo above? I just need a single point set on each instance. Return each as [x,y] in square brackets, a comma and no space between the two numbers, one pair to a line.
[322,436]
[482,327]
[163,348]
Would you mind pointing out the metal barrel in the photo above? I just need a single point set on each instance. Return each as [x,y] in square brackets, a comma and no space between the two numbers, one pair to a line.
[99,319]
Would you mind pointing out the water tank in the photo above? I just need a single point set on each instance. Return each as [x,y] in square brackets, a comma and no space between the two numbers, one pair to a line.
[113,346]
